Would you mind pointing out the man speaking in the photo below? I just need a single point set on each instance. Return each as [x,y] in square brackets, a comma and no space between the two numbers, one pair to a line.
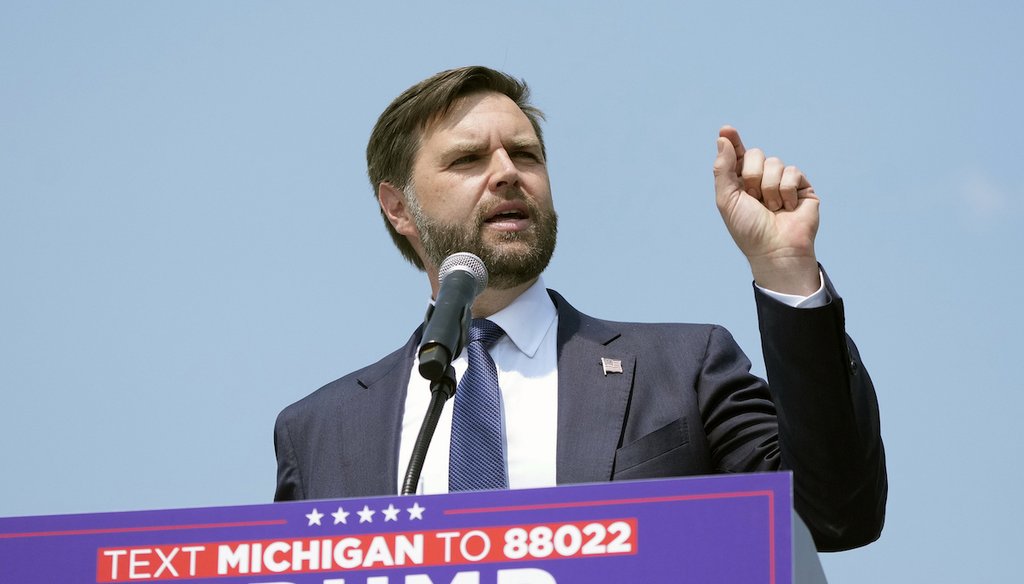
[548,395]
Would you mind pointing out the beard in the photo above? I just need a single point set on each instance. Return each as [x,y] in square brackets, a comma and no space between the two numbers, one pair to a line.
[515,258]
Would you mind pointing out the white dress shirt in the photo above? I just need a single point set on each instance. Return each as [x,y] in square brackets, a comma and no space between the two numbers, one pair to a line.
[527,362]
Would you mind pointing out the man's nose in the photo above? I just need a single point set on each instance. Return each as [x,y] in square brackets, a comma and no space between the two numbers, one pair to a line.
[503,171]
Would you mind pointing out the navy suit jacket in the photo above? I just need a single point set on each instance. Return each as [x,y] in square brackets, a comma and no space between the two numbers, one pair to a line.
[685,404]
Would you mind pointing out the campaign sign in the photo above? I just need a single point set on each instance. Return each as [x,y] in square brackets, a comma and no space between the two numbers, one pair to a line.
[734,528]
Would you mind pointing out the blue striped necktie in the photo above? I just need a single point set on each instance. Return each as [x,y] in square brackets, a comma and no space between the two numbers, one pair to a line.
[476,460]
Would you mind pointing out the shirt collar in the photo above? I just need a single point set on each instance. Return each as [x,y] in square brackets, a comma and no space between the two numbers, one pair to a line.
[526,321]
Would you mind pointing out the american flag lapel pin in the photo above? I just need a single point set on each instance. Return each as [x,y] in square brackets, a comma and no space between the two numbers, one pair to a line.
[611,365]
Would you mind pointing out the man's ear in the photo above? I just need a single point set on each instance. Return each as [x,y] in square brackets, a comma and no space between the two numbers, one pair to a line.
[392,203]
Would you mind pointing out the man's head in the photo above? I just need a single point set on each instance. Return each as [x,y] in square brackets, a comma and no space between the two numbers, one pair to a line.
[458,164]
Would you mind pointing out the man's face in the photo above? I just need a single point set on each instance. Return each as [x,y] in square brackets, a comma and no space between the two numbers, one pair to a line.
[480,184]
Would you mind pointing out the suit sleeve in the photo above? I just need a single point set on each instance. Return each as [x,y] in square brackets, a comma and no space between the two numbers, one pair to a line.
[289,479]
[828,423]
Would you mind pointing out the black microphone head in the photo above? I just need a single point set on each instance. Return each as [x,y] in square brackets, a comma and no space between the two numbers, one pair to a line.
[466,262]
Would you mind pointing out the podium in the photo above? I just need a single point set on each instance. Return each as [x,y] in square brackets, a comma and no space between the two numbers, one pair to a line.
[728,529]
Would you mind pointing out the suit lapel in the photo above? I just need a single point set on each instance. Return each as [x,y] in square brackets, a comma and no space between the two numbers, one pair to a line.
[379,405]
[591,404]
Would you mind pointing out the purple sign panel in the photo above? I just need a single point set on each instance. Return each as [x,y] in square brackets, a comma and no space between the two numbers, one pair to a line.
[734,528]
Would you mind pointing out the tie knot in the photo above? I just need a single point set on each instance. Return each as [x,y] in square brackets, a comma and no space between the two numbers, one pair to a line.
[484,331]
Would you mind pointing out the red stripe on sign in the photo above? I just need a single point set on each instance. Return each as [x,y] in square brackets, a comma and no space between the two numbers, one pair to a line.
[138,529]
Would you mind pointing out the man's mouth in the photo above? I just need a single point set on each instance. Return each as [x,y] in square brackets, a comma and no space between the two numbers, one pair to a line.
[511,216]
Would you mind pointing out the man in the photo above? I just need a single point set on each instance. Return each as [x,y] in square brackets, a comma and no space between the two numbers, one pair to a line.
[458,164]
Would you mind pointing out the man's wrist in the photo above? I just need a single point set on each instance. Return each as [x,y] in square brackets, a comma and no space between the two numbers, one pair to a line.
[793,276]
[820,297]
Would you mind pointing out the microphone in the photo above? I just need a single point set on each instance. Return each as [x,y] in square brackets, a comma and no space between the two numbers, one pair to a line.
[463,277]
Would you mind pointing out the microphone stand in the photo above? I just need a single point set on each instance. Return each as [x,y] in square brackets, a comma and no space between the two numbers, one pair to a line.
[441,390]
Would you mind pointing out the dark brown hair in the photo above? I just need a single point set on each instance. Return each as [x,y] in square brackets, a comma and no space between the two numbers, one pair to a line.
[395,139]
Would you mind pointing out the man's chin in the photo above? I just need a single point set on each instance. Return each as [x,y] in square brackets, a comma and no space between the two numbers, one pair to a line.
[506,253]
[509,268]
[510,246]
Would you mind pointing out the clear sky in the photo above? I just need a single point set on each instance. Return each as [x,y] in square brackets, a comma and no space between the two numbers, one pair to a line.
[188,241]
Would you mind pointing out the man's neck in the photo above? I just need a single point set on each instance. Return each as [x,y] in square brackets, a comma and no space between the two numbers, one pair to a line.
[492,300]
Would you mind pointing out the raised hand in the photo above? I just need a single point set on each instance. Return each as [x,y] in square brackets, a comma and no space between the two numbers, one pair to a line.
[771,212]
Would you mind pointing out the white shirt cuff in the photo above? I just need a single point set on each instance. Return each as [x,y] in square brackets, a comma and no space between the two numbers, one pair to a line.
[819,298]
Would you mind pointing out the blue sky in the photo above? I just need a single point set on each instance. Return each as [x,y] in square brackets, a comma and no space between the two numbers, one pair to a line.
[188,242]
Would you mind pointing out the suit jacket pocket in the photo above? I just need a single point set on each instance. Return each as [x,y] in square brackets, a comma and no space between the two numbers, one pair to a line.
[657,454]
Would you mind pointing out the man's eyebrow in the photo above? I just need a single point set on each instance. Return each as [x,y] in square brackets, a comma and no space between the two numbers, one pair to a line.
[467,147]
[524,142]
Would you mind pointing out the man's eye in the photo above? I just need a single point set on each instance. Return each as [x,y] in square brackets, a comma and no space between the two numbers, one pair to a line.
[526,155]
[464,160]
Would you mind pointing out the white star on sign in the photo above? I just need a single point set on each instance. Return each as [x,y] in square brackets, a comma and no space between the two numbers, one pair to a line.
[391,513]
[314,517]
[366,515]
[416,512]
[340,516]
